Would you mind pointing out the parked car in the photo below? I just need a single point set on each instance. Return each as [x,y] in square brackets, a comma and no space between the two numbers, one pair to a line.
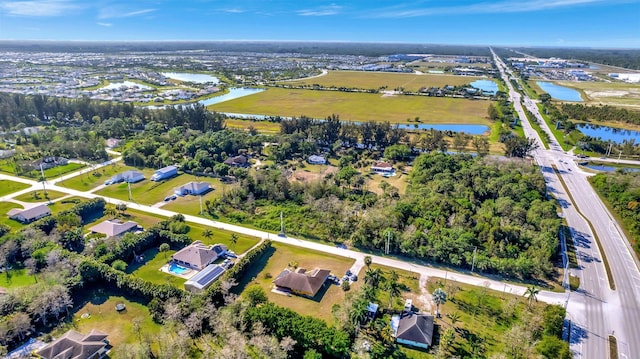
[167,199]
[173,197]
[231,254]
[348,273]
[354,278]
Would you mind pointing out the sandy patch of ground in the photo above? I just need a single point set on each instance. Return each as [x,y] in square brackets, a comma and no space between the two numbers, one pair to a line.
[312,175]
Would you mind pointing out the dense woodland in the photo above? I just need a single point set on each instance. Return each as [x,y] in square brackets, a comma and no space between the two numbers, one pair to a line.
[622,190]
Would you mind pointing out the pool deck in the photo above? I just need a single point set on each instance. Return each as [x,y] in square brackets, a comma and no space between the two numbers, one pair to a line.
[187,276]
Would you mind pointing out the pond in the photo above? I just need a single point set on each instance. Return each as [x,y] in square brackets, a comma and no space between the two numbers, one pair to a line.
[607,133]
[560,92]
[126,85]
[189,77]
[234,93]
[487,86]
[604,168]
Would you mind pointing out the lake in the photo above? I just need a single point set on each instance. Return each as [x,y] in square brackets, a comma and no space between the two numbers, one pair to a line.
[607,133]
[604,168]
[560,92]
[127,84]
[234,93]
[189,77]
[486,86]
[468,129]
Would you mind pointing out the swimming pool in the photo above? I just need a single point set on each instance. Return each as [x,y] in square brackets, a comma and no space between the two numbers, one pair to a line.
[177,269]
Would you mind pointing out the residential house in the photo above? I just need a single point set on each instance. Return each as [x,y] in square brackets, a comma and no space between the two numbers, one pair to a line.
[383,168]
[203,279]
[193,188]
[114,227]
[29,215]
[413,329]
[74,345]
[164,173]
[302,282]
[127,176]
[237,161]
[316,160]
[49,162]
[197,255]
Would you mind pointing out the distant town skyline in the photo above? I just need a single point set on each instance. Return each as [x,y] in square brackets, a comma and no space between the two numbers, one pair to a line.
[569,23]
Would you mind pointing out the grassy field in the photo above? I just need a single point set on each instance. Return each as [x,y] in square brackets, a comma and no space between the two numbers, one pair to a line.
[150,192]
[277,259]
[191,204]
[102,315]
[62,205]
[399,181]
[4,219]
[375,80]
[7,187]
[359,106]
[91,180]
[16,278]
[8,167]
[38,196]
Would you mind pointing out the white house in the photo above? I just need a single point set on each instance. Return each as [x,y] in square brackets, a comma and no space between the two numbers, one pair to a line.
[316,160]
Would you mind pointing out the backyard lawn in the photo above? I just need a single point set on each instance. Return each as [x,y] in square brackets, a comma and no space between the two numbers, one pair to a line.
[150,192]
[359,106]
[191,204]
[150,269]
[99,313]
[7,187]
[38,196]
[89,180]
[375,80]
[4,219]
[275,260]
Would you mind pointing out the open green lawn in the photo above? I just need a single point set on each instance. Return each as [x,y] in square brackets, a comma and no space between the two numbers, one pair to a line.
[90,180]
[399,181]
[375,80]
[65,204]
[150,192]
[4,219]
[260,126]
[358,106]
[276,259]
[48,173]
[243,243]
[16,278]
[191,204]
[7,187]
[39,196]
[103,316]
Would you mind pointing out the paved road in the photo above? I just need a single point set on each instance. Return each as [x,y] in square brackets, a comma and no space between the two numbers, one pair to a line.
[595,310]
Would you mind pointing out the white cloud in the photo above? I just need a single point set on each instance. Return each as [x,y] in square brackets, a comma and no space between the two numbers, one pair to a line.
[482,8]
[321,11]
[105,24]
[112,12]
[233,11]
[38,7]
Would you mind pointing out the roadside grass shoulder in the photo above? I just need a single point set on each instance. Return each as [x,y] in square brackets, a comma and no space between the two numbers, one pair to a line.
[8,187]
[39,196]
[557,133]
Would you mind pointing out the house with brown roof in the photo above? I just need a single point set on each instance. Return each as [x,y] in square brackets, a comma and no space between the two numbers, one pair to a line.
[302,282]
[114,227]
[237,161]
[74,345]
[197,255]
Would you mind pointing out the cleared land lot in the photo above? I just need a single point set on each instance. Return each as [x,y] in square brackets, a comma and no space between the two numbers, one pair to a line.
[191,204]
[8,167]
[90,180]
[7,187]
[150,192]
[608,93]
[375,80]
[358,106]
[267,268]
[38,196]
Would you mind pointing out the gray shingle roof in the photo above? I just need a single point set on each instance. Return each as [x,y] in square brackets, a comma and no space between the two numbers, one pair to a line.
[74,345]
[416,328]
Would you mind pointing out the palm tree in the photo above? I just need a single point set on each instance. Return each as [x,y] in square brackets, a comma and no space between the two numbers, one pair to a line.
[367,261]
[439,297]
[531,294]
[392,286]
[455,317]
[207,233]
[373,277]
[234,240]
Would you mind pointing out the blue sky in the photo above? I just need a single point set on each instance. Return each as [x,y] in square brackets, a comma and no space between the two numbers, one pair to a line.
[595,23]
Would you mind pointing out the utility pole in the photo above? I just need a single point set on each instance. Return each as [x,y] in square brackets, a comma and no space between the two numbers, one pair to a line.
[200,197]
[473,263]
[129,188]
[281,224]
[387,244]
[619,155]
[43,180]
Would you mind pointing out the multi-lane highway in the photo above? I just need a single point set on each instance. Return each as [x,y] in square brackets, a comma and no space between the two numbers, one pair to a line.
[596,311]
